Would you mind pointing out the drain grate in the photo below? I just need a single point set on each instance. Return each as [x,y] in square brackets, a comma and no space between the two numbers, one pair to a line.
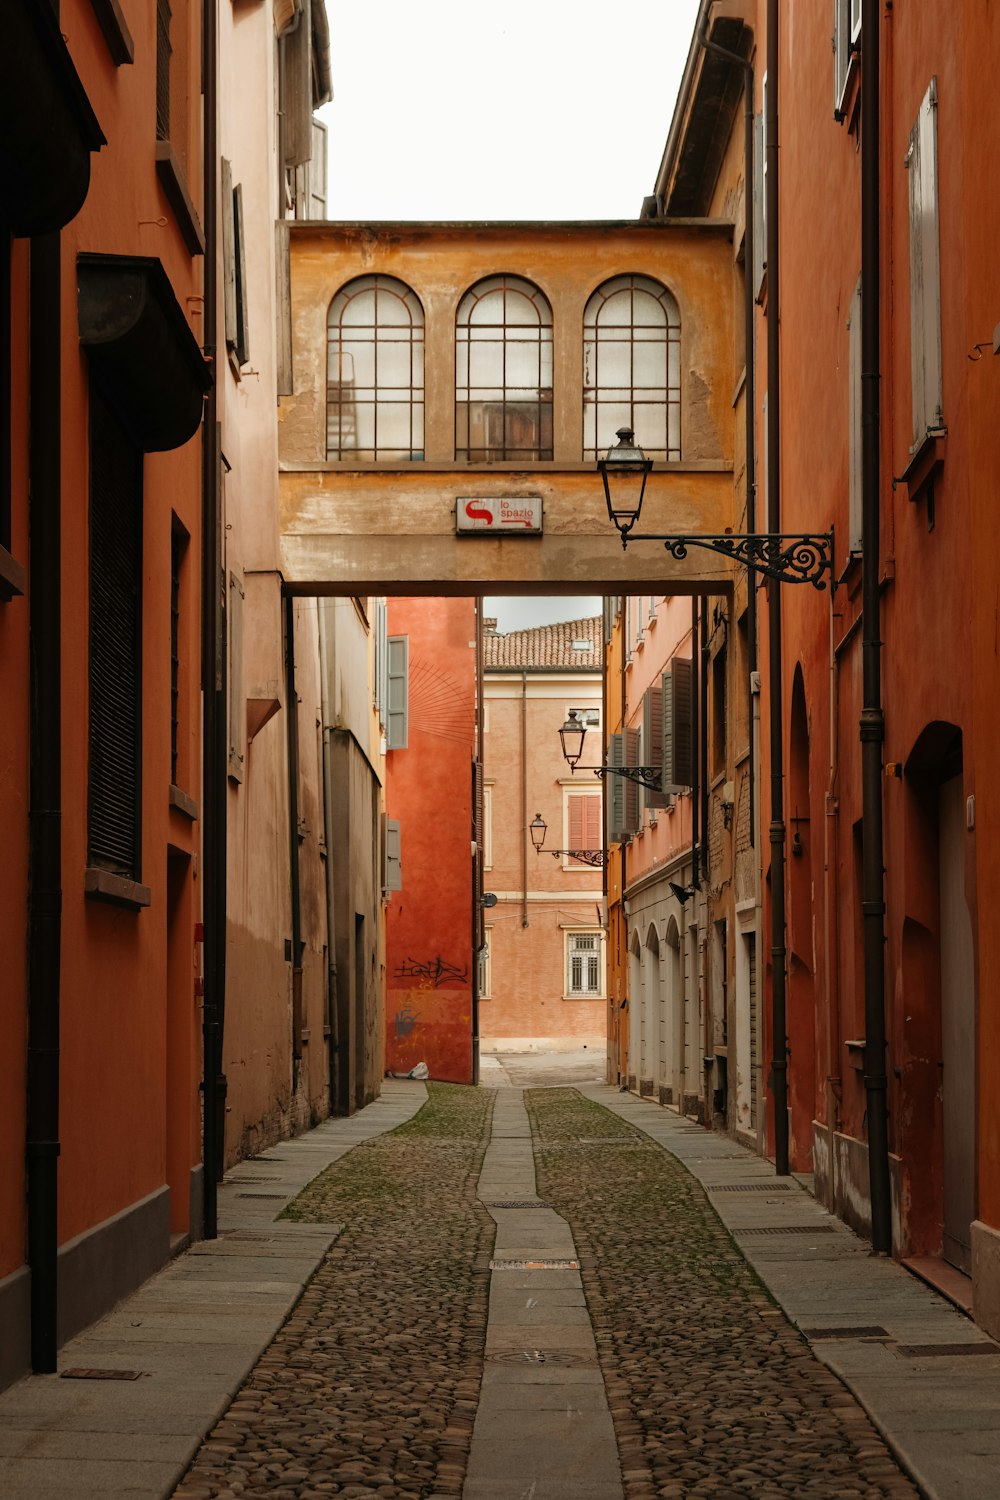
[787,1229]
[239,1181]
[564,1357]
[751,1187]
[534,1265]
[275,1196]
[93,1372]
[514,1203]
[863,1331]
[925,1351]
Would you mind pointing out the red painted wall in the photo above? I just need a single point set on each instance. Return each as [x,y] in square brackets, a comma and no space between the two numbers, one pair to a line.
[429,958]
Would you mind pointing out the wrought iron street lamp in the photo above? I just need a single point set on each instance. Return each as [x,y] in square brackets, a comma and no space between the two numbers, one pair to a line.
[786,556]
[571,737]
[538,829]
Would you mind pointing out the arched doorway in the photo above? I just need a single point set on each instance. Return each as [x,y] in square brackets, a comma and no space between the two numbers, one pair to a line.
[652,999]
[674,1027]
[637,1008]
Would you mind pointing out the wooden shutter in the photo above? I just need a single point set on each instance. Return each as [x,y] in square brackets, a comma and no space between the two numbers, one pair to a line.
[242,344]
[633,815]
[283,308]
[381,659]
[237,702]
[392,865]
[316,207]
[615,786]
[678,762]
[296,94]
[854,377]
[397,670]
[228,252]
[583,822]
[759,225]
[115,646]
[925,272]
[652,739]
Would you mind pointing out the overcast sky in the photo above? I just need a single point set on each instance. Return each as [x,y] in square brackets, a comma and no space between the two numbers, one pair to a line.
[539,109]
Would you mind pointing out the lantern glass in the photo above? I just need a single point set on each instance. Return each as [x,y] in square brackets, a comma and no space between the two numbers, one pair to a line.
[624,472]
[571,738]
[538,829]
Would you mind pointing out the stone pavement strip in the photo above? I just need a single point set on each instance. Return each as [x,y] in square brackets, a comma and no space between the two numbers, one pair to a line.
[926,1375]
[194,1332]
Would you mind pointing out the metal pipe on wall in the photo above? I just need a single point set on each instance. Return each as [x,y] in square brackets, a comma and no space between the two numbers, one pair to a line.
[524,799]
[779,1055]
[872,717]
[292,734]
[45,799]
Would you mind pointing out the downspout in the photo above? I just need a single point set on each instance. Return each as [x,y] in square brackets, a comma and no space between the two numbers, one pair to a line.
[831,936]
[749,381]
[292,731]
[872,716]
[478,923]
[779,1058]
[214,788]
[695,754]
[703,1077]
[524,799]
[703,735]
[333,1070]
[623,846]
[45,810]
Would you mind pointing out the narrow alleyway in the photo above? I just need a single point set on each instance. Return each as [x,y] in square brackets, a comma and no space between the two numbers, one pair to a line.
[611,1342]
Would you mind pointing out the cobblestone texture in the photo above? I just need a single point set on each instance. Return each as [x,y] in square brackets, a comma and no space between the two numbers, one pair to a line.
[712,1391]
[371,1386]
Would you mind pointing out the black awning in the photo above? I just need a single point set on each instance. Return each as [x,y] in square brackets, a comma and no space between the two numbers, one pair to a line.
[47,127]
[142,352]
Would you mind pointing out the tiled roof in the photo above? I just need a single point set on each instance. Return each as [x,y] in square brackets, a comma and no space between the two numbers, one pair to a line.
[572,643]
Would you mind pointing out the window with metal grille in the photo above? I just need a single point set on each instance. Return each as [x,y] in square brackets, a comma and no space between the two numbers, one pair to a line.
[163,53]
[375,372]
[503,372]
[583,966]
[114,732]
[632,367]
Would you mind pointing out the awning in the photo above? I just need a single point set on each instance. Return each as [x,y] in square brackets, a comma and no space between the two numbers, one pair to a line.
[142,352]
[47,127]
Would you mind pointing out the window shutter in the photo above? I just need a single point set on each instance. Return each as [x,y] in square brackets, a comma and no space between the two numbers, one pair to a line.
[297,90]
[575,809]
[316,207]
[925,272]
[591,823]
[854,364]
[392,872]
[633,808]
[678,766]
[652,738]
[228,252]
[397,673]
[759,248]
[237,710]
[846,14]
[283,308]
[381,657]
[115,646]
[615,791]
[242,346]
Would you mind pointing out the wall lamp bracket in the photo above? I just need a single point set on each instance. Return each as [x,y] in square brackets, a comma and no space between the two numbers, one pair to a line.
[785,556]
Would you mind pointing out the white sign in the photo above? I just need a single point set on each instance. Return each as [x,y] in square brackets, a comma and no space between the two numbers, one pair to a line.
[499,515]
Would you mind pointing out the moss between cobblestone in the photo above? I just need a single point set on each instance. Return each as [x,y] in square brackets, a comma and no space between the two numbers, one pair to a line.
[371,1386]
[712,1391]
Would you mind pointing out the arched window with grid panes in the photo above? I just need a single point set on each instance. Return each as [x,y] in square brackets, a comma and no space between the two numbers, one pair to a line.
[632,367]
[375,372]
[503,372]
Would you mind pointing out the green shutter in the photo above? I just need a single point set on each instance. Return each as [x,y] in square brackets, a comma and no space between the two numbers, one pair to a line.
[397,715]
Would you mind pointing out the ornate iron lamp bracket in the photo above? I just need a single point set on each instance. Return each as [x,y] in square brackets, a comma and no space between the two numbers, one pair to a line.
[648,776]
[593,857]
[786,556]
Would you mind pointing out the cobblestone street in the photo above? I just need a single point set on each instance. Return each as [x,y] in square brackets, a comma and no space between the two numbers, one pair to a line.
[372,1385]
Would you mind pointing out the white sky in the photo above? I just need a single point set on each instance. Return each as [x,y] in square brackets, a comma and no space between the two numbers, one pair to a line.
[536,109]
[513,613]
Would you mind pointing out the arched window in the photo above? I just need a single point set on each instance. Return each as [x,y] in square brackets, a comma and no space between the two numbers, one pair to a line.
[375,372]
[503,372]
[632,367]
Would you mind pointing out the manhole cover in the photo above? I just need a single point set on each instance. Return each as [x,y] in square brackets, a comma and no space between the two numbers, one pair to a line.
[863,1331]
[540,1357]
[263,1195]
[787,1229]
[751,1187]
[534,1265]
[79,1372]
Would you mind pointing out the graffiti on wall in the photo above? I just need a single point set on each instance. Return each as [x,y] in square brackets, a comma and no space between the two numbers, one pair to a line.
[434,971]
[405,1022]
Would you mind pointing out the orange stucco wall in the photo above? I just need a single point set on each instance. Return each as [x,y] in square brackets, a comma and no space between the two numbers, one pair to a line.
[429,958]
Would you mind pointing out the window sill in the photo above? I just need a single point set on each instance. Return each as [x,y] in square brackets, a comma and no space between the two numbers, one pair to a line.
[116,890]
[925,459]
[12,576]
[168,170]
[114,30]
[181,803]
[585,997]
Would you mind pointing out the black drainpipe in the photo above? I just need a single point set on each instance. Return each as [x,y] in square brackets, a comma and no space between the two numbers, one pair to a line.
[695,756]
[779,1059]
[872,716]
[703,734]
[214,727]
[292,727]
[45,807]
[749,388]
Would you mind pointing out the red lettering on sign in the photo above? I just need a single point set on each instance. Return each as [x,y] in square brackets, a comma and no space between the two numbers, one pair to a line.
[477,513]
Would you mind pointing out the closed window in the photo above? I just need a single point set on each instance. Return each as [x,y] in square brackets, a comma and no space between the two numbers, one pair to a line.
[503,373]
[584,965]
[582,812]
[925,273]
[114,801]
[632,367]
[375,372]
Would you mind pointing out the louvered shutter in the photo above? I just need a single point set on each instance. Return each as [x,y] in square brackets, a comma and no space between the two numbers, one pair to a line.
[633,813]
[678,767]
[115,646]
[575,805]
[652,739]
[925,272]
[397,671]
[591,823]
[615,786]
[392,875]
[296,99]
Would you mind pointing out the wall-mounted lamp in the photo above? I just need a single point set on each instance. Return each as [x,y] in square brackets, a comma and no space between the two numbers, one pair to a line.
[682,892]
[624,472]
[538,829]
